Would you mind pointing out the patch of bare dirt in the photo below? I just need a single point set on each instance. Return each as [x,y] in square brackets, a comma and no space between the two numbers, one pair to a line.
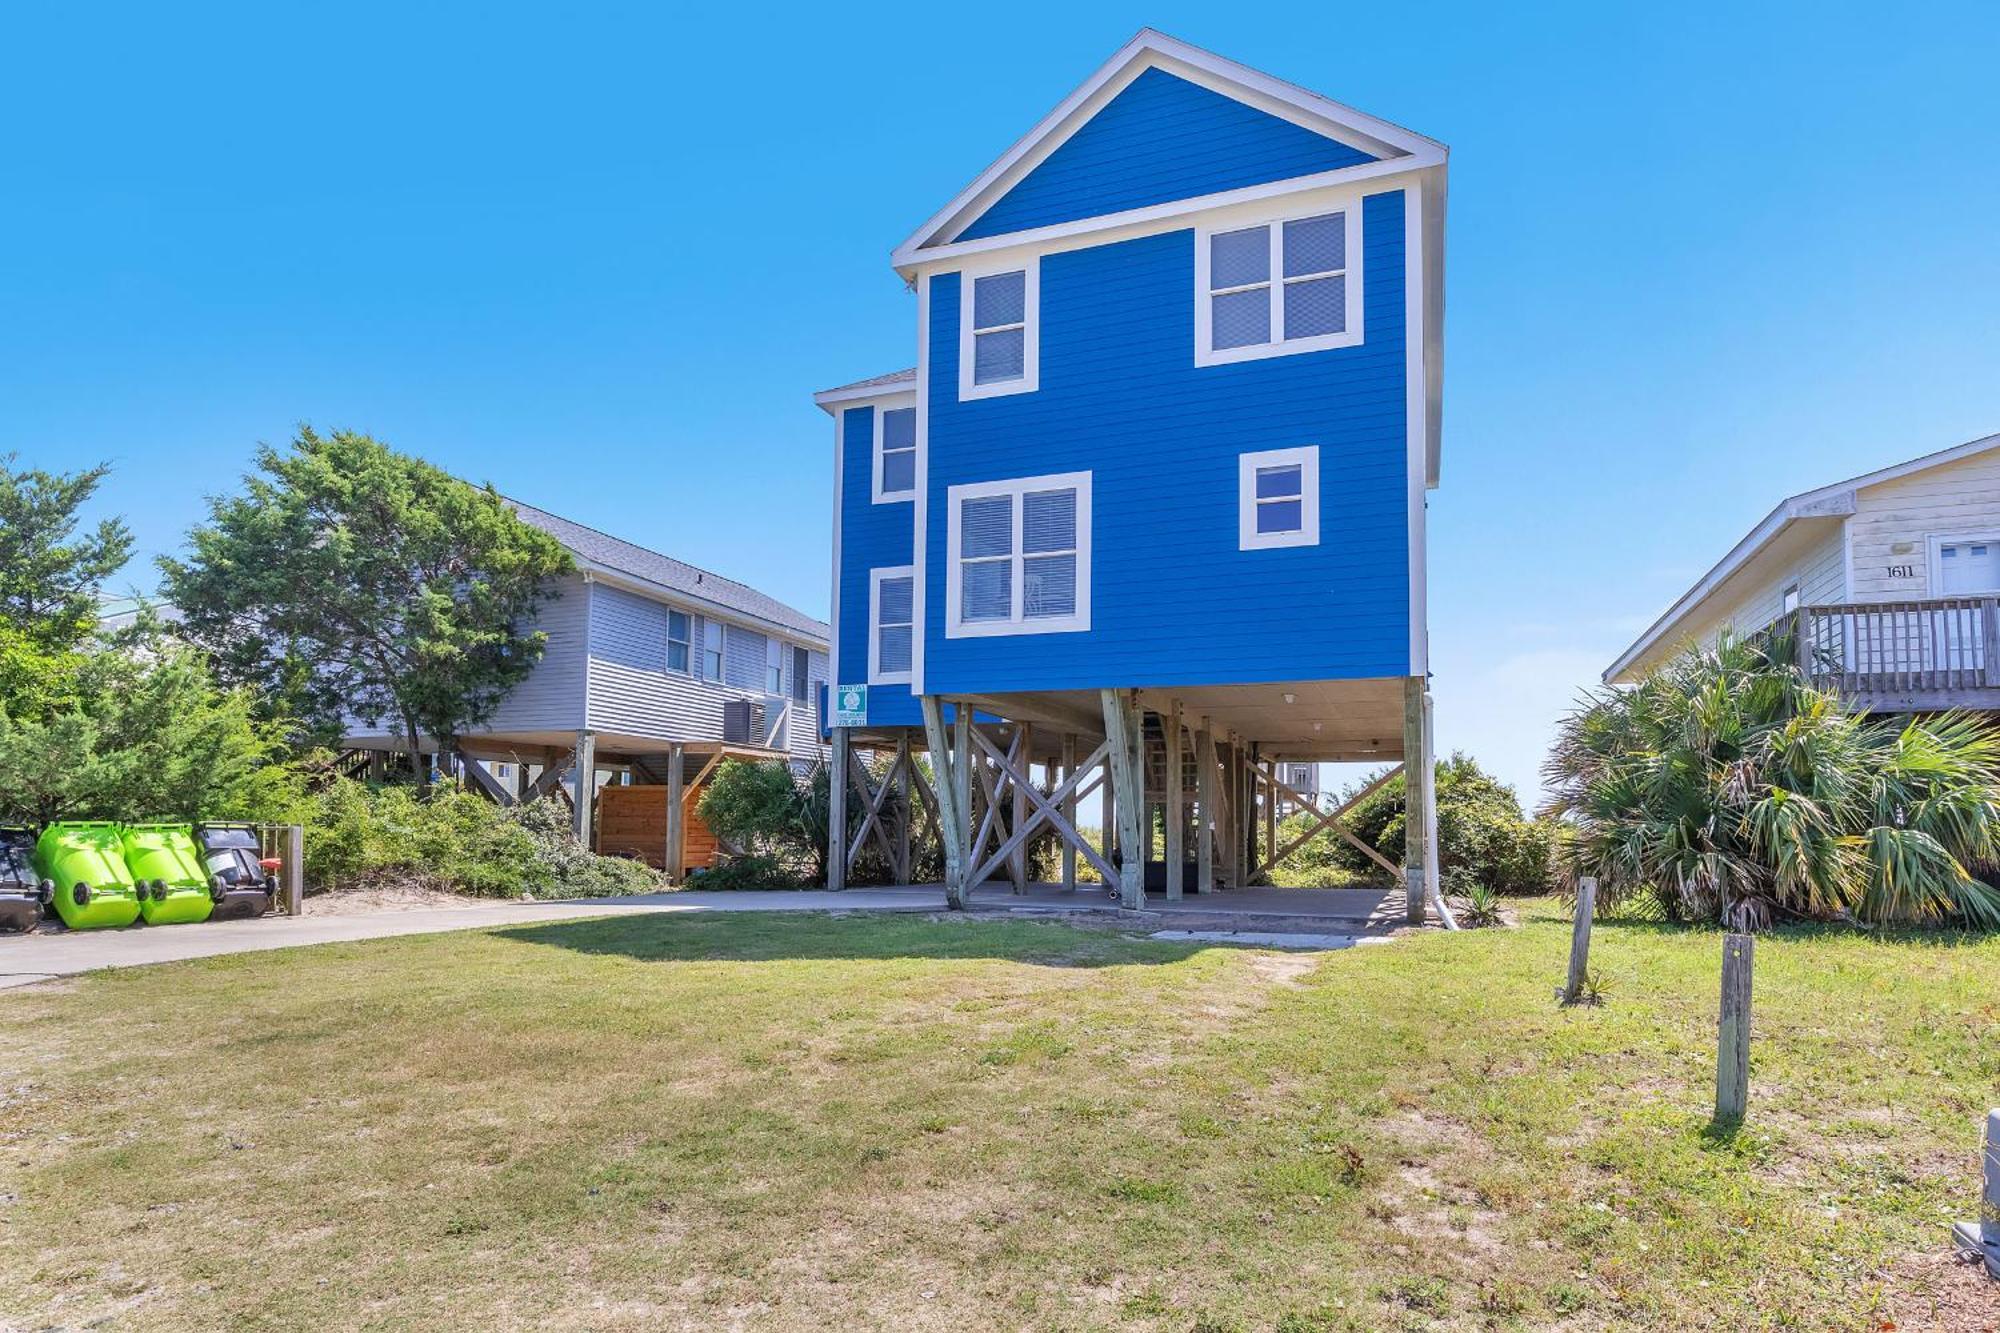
[401,897]
[1940,1293]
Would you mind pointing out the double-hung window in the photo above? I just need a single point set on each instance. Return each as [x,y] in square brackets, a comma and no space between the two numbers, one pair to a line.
[774,667]
[801,672]
[999,343]
[711,650]
[891,625]
[1277,497]
[895,454]
[1019,556]
[677,641]
[1282,286]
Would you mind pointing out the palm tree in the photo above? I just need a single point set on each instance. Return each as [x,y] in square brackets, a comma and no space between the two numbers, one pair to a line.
[1731,790]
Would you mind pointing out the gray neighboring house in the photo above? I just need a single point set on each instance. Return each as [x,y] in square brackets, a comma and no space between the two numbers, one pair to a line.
[655,670]
[1889,584]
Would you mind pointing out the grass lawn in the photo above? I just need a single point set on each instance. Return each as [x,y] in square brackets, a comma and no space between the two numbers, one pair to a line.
[755,1122]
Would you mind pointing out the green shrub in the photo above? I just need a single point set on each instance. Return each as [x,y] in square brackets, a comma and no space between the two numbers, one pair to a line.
[359,835]
[746,872]
[773,815]
[1725,787]
[1482,834]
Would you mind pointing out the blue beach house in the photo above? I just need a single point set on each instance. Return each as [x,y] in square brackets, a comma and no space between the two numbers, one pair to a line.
[1146,519]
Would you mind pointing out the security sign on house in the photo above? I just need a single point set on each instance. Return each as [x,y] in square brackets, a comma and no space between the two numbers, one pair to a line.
[850,706]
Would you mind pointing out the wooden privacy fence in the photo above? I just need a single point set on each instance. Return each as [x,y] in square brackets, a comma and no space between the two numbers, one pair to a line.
[632,821]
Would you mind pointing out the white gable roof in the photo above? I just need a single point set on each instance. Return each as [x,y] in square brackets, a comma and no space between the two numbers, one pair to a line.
[1399,147]
[1827,501]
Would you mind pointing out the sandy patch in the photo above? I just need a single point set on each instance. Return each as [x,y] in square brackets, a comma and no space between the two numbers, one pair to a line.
[388,898]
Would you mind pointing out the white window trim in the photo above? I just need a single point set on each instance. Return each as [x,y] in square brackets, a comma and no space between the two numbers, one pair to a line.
[880,496]
[1247,536]
[1018,622]
[1031,336]
[688,643]
[1935,544]
[774,664]
[721,651]
[876,675]
[1207,355]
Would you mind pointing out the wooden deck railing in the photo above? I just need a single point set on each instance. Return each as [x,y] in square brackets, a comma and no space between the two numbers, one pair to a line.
[1945,644]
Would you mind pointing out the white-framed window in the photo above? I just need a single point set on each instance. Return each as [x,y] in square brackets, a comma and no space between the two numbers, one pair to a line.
[999,330]
[678,642]
[891,624]
[895,454]
[1789,599]
[801,674]
[1962,565]
[774,667]
[1018,553]
[1278,286]
[711,650]
[1277,498]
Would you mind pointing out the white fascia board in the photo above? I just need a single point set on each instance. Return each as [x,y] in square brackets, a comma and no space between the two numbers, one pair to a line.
[659,592]
[1826,502]
[831,401]
[1154,217]
[1150,49]
[1431,197]
[1724,569]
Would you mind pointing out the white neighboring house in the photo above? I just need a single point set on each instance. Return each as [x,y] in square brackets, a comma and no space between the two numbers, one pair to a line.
[1892,579]
[653,670]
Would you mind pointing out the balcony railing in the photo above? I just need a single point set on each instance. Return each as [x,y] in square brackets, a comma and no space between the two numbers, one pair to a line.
[1920,653]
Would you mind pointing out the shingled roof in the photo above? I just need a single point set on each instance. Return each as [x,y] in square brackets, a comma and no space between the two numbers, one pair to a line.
[606,552]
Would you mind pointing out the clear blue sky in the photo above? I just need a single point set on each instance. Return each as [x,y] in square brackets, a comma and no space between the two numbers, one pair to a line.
[1699,257]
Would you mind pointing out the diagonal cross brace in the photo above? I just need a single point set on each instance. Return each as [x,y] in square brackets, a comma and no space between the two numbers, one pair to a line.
[1046,809]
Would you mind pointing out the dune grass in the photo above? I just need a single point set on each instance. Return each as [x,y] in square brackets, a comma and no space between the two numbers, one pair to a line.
[809,1122]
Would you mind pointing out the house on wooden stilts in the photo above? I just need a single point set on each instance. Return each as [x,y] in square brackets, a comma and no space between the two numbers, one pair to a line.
[655,671]
[1143,528]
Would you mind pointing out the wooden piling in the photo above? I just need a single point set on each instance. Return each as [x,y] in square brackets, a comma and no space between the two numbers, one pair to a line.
[1732,1059]
[1579,940]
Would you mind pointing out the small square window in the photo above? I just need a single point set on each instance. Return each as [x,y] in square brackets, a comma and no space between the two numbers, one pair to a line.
[1278,498]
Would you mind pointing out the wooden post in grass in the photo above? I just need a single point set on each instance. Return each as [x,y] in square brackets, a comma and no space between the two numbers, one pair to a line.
[1579,940]
[1732,1056]
[1981,1239]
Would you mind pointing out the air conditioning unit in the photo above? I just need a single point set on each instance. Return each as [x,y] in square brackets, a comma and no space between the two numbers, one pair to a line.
[739,721]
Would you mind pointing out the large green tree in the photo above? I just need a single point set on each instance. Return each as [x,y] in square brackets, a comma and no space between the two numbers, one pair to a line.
[1725,787]
[350,580]
[50,567]
[141,735]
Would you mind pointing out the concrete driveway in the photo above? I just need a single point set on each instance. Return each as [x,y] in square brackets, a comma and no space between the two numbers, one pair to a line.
[46,955]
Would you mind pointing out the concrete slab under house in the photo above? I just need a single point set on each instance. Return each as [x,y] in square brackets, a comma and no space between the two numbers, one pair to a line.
[1139,540]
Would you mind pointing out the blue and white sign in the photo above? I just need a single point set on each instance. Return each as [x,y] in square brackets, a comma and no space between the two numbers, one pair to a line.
[850,706]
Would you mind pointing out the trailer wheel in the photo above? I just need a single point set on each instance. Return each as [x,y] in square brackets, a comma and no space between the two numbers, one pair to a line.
[80,895]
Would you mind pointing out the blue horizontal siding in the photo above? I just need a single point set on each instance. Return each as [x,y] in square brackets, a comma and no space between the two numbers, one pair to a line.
[872,536]
[1162,138]
[1174,602]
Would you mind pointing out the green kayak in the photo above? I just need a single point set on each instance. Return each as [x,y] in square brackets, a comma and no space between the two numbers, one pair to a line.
[86,861]
[163,859]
